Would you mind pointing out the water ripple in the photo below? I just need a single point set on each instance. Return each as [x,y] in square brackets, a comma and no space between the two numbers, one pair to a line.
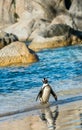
[62,66]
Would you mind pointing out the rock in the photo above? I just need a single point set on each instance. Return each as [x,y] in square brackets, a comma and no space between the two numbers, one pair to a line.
[40,43]
[22,29]
[38,28]
[63,19]
[17,53]
[6,38]
[1,43]
[7,9]
[57,30]
[75,40]
[76,13]
[3,34]
[11,10]
[39,18]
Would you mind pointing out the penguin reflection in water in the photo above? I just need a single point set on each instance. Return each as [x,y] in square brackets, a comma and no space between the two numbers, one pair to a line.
[44,95]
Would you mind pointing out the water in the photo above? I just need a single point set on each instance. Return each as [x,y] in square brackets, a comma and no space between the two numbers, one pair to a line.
[19,86]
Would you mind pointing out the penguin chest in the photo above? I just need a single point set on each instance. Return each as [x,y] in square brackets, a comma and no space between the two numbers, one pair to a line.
[46,94]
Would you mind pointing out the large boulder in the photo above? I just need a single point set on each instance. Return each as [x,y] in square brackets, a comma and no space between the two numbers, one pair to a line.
[11,10]
[30,13]
[55,35]
[17,53]
[34,19]
[57,30]
[40,43]
[76,13]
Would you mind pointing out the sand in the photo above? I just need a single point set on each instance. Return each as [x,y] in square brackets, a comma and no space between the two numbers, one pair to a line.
[67,117]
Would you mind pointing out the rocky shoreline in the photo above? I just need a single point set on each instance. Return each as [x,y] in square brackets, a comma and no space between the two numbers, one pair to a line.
[45,24]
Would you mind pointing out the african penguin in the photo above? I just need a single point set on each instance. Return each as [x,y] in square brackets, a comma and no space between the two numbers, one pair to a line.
[44,93]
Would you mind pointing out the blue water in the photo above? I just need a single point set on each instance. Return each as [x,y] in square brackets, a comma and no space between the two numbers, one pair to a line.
[19,85]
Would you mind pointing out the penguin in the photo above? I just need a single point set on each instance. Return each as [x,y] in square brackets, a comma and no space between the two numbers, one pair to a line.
[44,93]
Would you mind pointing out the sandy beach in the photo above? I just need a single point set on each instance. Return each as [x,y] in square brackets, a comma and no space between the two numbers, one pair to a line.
[66,116]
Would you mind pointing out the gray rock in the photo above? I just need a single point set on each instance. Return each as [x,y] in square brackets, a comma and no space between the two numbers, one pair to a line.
[57,30]
[7,38]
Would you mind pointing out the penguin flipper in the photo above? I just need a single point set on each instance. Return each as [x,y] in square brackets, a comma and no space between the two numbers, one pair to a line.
[39,94]
[54,94]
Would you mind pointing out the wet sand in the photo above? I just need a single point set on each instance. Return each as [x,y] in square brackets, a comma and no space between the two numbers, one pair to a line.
[66,116]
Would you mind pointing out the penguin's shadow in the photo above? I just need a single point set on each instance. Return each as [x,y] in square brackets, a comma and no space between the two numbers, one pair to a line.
[50,116]
[55,113]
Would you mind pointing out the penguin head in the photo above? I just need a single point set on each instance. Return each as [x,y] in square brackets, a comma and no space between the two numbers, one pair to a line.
[45,81]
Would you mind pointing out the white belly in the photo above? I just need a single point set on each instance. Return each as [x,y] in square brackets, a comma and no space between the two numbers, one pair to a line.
[46,94]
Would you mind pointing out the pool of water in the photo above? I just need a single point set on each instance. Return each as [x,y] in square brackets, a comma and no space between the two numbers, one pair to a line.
[19,85]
